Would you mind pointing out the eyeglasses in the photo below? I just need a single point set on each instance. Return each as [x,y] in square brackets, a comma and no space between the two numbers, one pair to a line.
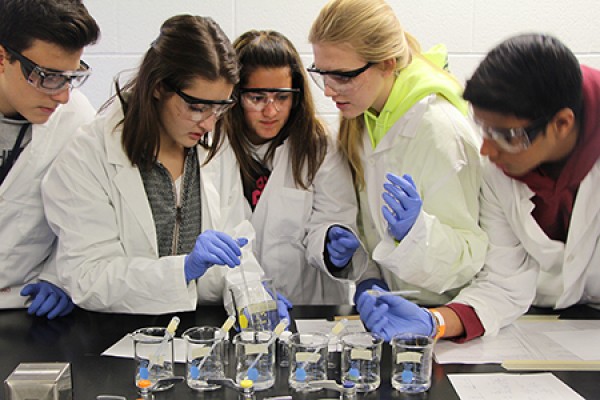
[50,81]
[198,110]
[339,81]
[514,140]
[257,99]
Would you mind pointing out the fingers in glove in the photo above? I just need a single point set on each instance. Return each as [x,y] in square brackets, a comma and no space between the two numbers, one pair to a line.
[405,183]
[365,303]
[376,315]
[49,303]
[63,304]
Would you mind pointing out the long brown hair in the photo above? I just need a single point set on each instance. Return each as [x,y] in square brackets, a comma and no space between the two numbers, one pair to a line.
[187,47]
[305,132]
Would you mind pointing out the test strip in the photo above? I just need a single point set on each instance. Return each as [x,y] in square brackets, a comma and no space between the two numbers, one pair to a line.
[339,327]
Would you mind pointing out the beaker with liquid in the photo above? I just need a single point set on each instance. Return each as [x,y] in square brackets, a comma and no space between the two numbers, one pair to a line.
[361,360]
[204,356]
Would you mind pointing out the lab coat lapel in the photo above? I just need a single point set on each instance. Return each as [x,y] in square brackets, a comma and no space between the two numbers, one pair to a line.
[276,180]
[128,182]
[585,211]
[27,165]
[522,212]
[211,198]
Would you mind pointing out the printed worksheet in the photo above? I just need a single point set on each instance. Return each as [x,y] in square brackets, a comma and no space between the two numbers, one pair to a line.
[511,386]
[533,339]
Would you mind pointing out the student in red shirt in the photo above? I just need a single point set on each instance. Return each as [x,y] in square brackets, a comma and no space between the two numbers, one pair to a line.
[537,110]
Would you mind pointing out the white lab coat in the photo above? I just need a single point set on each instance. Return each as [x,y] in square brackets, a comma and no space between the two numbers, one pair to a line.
[523,265]
[26,240]
[435,144]
[107,249]
[291,224]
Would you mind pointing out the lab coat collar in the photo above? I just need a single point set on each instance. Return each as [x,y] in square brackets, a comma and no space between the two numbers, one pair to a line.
[523,211]
[34,153]
[406,126]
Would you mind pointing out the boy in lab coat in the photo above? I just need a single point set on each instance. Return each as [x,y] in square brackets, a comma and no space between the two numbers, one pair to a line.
[537,110]
[41,43]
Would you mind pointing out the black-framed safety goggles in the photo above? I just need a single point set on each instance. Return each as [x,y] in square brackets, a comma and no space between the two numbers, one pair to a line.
[47,80]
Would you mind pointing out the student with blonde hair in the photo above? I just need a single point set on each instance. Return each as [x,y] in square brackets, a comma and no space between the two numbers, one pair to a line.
[413,153]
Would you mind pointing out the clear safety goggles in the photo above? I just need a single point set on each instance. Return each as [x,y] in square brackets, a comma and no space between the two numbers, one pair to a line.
[257,99]
[341,82]
[513,140]
[50,81]
[198,110]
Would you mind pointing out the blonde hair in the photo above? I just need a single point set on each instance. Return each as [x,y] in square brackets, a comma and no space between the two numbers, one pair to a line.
[372,29]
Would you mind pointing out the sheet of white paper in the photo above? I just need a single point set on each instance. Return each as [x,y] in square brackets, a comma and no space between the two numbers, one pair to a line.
[124,348]
[324,326]
[511,386]
[526,339]
[585,346]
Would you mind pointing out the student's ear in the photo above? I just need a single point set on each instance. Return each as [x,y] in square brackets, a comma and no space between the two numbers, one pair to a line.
[389,66]
[563,123]
[158,91]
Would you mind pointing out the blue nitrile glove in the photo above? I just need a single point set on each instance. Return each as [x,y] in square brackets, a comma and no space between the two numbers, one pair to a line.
[367,284]
[341,245]
[48,300]
[391,315]
[283,305]
[404,204]
[212,247]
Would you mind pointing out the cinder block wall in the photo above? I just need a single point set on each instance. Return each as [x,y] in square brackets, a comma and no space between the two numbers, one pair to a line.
[469,28]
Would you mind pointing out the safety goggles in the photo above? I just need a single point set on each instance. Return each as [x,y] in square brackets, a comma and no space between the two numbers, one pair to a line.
[198,110]
[257,99]
[513,140]
[50,81]
[341,82]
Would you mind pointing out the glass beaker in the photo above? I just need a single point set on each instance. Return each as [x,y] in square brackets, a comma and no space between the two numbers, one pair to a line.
[255,358]
[153,355]
[361,360]
[204,356]
[411,362]
[255,303]
[308,360]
